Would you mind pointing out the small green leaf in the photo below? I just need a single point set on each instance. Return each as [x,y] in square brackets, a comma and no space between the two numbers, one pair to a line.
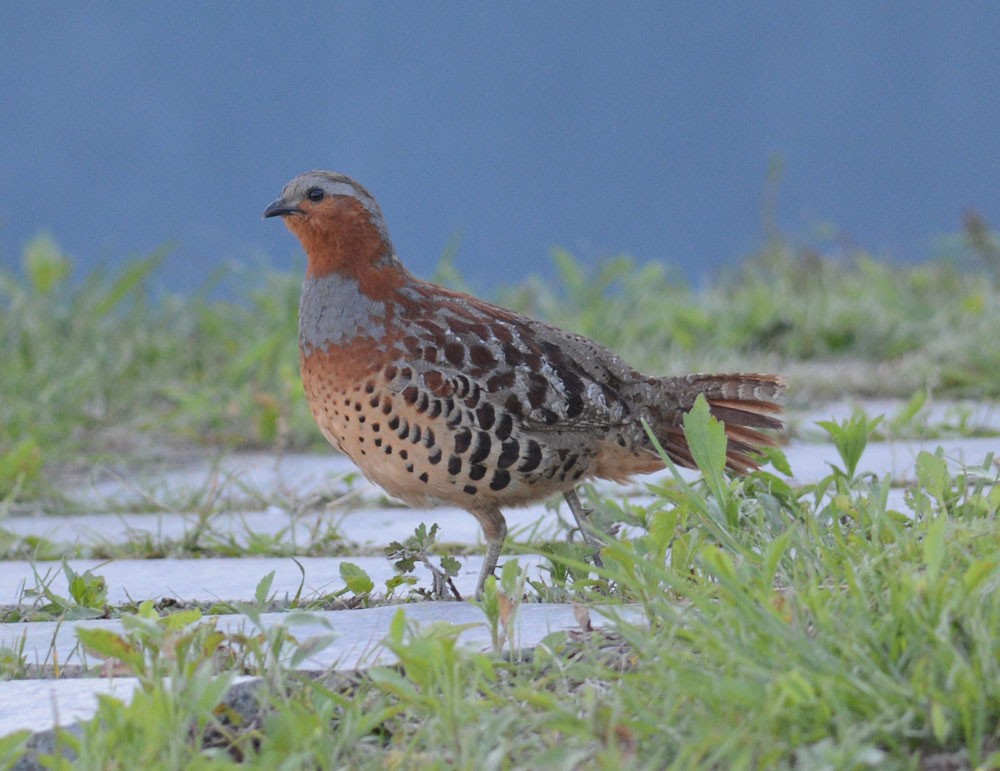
[263,589]
[932,474]
[707,441]
[850,437]
[450,565]
[706,437]
[357,580]
[110,645]
[174,622]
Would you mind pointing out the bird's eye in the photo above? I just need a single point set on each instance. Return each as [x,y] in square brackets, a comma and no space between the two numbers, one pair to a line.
[315,194]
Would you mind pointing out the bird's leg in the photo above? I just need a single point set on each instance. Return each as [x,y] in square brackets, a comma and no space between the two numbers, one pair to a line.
[495,531]
[582,517]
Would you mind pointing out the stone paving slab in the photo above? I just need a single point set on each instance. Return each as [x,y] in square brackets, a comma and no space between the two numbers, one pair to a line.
[298,477]
[377,526]
[372,528]
[357,635]
[227,580]
[982,416]
[369,527]
[38,705]
[233,477]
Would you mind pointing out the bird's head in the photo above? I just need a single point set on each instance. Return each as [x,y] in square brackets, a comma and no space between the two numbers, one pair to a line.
[338,222]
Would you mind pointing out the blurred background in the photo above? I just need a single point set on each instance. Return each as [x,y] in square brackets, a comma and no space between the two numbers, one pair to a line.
[501,130]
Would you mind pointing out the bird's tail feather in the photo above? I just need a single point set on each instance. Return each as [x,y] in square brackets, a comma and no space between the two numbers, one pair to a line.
[744,402]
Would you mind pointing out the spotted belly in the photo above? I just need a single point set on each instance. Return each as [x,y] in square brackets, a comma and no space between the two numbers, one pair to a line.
[424,450]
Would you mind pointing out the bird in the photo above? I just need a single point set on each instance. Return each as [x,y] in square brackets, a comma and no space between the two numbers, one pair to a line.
[441,397]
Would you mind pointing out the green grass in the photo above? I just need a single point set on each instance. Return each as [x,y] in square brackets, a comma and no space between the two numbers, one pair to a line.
[99,370]
[771,627]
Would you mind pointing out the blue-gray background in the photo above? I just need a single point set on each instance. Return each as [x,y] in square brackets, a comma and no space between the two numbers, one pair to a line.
[645,128]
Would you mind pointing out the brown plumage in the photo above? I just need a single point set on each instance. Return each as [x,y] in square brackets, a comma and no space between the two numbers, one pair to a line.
[440,397]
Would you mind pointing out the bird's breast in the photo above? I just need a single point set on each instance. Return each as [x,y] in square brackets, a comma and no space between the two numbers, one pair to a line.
[334,311]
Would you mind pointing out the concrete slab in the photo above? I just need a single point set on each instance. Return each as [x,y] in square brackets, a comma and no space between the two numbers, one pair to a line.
[39,705]
[940,415]
[357,634]
[219,579]
[232,478]
[375,526]
[368,527]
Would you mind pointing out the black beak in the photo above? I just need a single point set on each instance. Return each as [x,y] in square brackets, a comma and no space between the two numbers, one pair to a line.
[280,209]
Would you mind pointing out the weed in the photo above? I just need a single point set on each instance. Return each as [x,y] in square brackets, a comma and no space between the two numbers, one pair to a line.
[417,548]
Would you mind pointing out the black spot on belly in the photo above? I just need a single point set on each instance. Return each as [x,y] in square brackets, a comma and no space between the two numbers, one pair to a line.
[532,456]
[454,465]
[485,415]
[504,426]
[463,439]
[476,472]
[393,423]
[423,477]
[483,445]
[469,489]
[509,452]
[500,480]
[434,457]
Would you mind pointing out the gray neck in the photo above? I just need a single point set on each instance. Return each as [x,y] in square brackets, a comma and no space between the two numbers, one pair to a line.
[333,311]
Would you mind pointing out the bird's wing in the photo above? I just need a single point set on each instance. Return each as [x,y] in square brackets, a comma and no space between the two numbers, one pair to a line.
[544,378]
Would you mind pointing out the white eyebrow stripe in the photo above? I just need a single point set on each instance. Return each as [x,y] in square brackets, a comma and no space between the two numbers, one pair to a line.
[343,188]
